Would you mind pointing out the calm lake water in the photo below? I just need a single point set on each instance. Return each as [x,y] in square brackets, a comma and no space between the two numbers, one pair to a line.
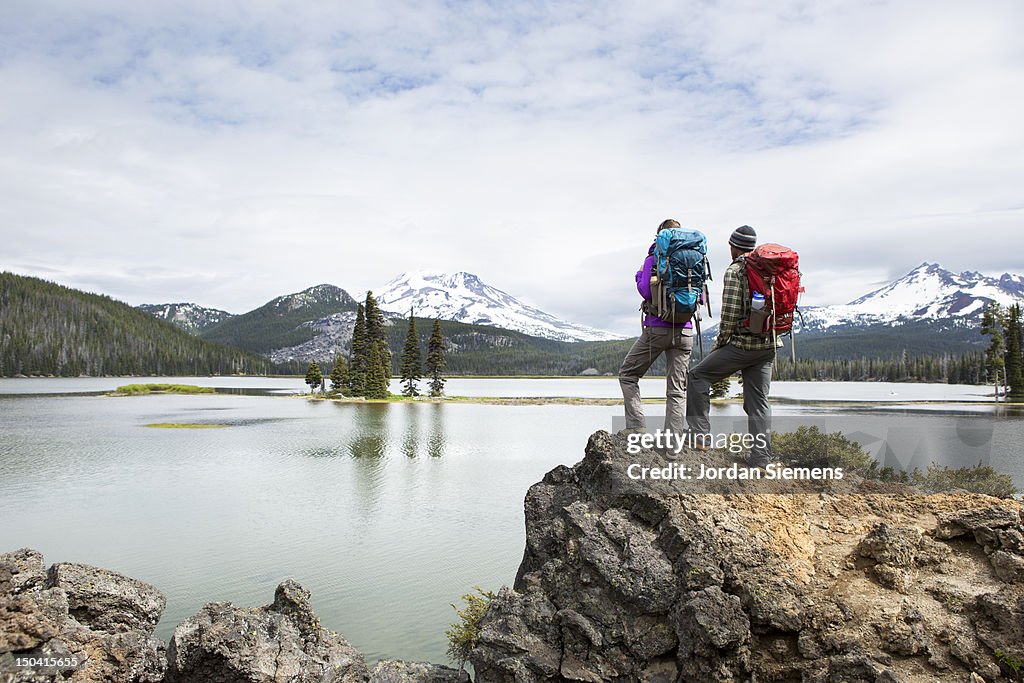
[386,512]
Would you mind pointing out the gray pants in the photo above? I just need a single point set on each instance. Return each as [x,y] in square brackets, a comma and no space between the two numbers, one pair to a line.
[676,344]
[756,369]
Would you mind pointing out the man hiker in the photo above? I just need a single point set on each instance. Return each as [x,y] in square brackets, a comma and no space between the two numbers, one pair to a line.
[658,336]
[736,349]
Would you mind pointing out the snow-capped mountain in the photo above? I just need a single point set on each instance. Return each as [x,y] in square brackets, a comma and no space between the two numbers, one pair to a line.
[928,293]
[189,317]
[464,298]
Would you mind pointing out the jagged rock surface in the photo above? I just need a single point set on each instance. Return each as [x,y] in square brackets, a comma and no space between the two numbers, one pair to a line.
[627,580]
[393,671]
[106,620]
[283,641]
[101,618]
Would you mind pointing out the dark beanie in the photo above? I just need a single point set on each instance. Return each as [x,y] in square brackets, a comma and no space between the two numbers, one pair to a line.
[744,238]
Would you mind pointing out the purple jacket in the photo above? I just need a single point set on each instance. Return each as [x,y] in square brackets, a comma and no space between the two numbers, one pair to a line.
[643,285]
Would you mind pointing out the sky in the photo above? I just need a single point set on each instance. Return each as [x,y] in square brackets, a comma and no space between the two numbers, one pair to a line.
[226,153]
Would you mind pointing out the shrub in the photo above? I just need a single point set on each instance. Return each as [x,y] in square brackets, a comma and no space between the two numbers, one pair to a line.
[811,447]
[977,479]
[463,634]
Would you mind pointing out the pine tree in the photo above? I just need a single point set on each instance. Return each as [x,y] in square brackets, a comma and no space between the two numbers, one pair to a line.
[435,360]
[339,375]
[720,389]
[314,377]
[376,334]
[995,355]
[358,354]
[376,379]
[411,360]
[1014,362]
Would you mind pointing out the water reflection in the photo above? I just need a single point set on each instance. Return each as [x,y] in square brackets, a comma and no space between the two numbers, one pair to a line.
[411,436]
[437,440]
[370,430]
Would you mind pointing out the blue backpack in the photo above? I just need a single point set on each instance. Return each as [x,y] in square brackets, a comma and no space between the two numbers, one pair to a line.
[679,276]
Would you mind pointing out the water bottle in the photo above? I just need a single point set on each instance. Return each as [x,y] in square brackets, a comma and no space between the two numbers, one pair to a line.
[758,314]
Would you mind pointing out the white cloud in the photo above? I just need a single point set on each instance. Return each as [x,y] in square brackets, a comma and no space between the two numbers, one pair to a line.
[243,150]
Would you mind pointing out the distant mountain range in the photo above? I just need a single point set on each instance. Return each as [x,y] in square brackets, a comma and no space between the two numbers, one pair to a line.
[929,310]
[928,293]
[49,329]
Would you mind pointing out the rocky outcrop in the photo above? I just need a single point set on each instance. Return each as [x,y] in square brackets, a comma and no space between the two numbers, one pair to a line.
[90,623]
[392,671]
[664,580]
[97,625]
[283,641]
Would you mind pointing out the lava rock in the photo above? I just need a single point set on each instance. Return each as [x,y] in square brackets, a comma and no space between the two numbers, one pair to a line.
[283,641]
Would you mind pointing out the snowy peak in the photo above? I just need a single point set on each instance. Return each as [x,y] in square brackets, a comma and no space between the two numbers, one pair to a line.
[927,293]
[465,298]
[188,316]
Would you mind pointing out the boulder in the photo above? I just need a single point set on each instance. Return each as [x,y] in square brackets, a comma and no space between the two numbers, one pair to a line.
[393,671]
[107,601]
[283,641]
[98,623]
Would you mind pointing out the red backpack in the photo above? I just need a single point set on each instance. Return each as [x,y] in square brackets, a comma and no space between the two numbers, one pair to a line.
[772,270]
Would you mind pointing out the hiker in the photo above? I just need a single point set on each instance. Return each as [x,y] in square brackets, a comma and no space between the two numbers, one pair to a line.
[674,339]
[736,349]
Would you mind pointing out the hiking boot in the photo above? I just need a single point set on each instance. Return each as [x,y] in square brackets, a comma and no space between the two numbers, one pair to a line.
[760,461]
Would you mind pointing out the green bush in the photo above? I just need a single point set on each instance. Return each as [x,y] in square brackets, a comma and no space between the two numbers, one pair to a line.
[977,479]
[811,447]
[463,634]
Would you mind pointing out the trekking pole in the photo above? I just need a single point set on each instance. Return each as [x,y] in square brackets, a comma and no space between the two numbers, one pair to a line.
[700,338]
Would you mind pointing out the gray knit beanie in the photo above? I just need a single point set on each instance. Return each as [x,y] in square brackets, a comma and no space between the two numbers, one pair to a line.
[743,238]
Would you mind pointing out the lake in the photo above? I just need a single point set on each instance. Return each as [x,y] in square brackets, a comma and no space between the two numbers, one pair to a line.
[386,512]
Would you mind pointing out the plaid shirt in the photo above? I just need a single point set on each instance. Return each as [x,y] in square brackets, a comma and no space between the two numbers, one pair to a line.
[736,309]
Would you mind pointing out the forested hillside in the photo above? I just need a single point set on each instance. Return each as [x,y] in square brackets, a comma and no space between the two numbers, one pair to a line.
[280,323]
[48,329]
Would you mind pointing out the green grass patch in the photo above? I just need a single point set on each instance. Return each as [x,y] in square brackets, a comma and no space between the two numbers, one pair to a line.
[184,425]
[143,389]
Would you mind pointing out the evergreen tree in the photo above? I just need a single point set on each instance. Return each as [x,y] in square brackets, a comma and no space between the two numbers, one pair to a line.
[339,375]
[376,378]
[358,354]
[411,360]
[1014,362]
[995,355]
[376,334]
[314,378]
[435,360]
[720,389]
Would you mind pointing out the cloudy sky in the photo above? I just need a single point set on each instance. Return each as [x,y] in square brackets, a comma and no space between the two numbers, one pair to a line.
[229,152]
